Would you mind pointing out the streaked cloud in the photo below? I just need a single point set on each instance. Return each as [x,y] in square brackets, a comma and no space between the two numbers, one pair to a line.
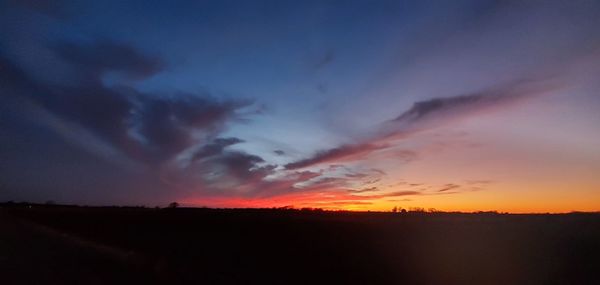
[428,115]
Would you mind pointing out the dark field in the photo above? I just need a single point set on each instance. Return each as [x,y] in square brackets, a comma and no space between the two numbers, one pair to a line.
[62,245]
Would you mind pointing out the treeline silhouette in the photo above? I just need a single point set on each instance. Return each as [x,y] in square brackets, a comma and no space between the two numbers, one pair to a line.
[174,205]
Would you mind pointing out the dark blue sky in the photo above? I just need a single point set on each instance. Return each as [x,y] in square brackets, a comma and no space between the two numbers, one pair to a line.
[338,104]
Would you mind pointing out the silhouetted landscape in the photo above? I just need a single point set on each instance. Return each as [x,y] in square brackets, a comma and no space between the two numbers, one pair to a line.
[54,244]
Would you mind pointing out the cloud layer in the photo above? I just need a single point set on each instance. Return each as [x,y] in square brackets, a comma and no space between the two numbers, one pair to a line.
[176,137]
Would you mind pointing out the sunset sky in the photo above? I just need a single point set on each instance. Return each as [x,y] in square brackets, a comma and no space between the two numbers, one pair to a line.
[357,105]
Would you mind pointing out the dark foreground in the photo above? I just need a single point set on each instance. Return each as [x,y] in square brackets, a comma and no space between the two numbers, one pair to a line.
[62,245]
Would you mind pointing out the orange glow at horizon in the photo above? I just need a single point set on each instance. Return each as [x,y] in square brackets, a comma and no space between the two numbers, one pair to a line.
[464,202]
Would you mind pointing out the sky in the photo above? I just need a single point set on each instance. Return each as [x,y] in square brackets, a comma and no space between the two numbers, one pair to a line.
[352,105]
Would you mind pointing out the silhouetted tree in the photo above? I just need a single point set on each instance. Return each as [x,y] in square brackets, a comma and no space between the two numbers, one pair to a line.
[417,210]
[173,205]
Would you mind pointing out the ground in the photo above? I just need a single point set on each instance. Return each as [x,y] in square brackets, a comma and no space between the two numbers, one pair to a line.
[93,245]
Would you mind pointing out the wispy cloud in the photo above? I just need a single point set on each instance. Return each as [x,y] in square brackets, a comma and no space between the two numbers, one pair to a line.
[431,114]
[335,155]
[167,133]
[370,189]
[325,60]
[448,187]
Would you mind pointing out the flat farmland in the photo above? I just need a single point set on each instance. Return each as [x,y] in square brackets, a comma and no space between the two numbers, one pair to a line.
[102,245]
